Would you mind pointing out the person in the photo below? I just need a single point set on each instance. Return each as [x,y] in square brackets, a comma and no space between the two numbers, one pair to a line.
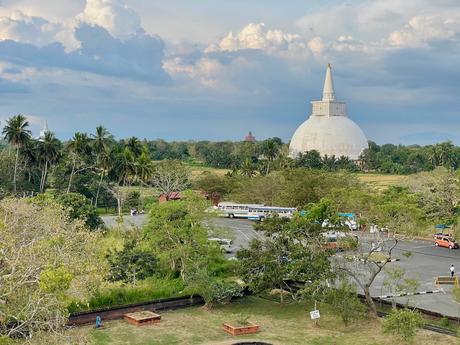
[98,322]
[452,270]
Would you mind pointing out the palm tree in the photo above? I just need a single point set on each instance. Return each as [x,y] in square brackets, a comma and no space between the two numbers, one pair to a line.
[270,149]
[144,166]
[104,164]
[135,146]
[79,147]
[247,168]
[101,139]
[101,144]
[48,152]
[17,134]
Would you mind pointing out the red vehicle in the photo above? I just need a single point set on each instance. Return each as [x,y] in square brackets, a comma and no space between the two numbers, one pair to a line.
[446,241]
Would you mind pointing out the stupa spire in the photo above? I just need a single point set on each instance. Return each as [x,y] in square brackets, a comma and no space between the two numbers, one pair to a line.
[328,90]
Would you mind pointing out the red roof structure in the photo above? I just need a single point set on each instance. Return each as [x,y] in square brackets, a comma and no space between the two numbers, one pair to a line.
[250,138]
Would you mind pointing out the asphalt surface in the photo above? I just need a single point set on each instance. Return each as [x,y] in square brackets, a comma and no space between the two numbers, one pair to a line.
[425,263]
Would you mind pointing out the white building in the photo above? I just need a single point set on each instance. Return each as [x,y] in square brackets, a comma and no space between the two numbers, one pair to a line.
[43,131]
[328,129]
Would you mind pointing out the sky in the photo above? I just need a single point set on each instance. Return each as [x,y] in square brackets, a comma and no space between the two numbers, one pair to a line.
[216,69]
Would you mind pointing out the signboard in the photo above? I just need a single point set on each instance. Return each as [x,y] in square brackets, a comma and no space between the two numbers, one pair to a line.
[314,314]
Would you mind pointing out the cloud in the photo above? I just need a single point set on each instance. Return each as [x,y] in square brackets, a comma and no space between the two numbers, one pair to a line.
[113,15]
[34,30]
[256,36]
[422,30]
[139,57]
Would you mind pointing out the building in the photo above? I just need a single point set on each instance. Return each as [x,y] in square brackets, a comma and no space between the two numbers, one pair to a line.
[328,129]
[250,138]
[171,197]
[45,129]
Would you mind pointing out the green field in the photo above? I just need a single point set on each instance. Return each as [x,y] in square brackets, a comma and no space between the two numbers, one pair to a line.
[381,181]
[280,325]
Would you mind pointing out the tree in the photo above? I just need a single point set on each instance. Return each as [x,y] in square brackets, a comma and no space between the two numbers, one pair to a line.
[76,206]
[131,263]
[345,301]
[16,132]
[403,323]
[101,145]
[364,264]
[310,159]
[79,148]
[247,168]
[46,261]
[291,251]
[178,238]
[79,207]
[397,283]
[170,176]
[270,148]
[48,151]
[134,145]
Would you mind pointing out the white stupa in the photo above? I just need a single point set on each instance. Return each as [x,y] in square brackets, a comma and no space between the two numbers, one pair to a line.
[45,129]
[328,129]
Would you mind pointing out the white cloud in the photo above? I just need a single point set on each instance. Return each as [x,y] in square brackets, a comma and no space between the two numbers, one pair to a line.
[36,30]
[206,71]
[257,36]
[33,30]
[424,29]
[113,15]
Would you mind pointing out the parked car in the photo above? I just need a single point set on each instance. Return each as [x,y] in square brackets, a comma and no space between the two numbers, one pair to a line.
[446,241]
[224,243]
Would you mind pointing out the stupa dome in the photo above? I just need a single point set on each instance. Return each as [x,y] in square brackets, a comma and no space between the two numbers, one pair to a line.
[328,130]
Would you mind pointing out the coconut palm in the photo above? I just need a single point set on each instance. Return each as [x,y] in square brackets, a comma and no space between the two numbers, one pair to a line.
[104,165]
[17,134]
[101,146]
[270,149]
[134,145]
[48,153]
[101,139]
[247,168]
[79,148]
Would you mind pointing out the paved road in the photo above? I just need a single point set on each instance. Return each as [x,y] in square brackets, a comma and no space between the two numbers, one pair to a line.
[426,262]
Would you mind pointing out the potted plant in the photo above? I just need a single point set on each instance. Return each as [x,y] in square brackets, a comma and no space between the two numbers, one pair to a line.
[242,325]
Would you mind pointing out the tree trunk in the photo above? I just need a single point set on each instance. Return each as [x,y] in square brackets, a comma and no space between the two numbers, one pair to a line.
[119,203]
[71,176]
[369,301]
[98,189]
[15,169]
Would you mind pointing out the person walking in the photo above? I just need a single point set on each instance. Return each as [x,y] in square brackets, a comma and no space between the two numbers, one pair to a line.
[452,270]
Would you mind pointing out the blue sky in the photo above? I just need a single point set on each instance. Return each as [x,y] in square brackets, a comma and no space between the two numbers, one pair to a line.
[215,69]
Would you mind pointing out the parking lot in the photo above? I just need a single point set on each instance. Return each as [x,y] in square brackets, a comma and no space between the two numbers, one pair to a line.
[425,263]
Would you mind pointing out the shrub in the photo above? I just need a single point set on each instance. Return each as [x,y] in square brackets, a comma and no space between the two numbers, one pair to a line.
[150,289]
[403,323]
[346,302]
[131,263]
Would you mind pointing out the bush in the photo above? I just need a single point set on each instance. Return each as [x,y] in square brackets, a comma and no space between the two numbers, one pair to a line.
[133,199]
[346,302]
[131,263]
[403,323]
[79,207]
[149,289]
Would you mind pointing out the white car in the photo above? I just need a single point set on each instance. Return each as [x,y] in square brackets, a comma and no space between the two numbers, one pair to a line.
[224,243]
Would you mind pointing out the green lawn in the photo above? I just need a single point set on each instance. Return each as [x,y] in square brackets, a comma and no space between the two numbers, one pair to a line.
[280,325]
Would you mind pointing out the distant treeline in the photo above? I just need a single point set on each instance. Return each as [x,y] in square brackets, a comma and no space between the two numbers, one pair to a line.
[96,164]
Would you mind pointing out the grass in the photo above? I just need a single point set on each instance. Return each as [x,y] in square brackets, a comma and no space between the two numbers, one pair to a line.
[150,289]
[280,325]
[381,181]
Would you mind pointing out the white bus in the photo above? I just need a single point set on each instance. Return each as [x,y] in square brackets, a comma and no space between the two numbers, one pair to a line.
[263,212]
[233,210]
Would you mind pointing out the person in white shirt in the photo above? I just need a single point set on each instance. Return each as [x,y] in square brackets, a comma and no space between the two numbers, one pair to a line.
[452,270]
